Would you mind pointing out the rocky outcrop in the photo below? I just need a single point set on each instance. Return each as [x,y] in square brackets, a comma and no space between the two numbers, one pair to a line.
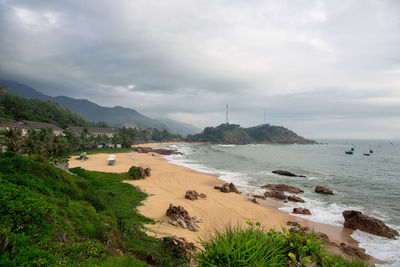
[354,252]
[295,199]
[160,151]
[323,190]
[297,228]
[284,173]
[283,188]
[227,188]
[275,194]
[303,211]
[137,173]
[356,220]
[178,216]
[259,196]
[180,248]
[193,195]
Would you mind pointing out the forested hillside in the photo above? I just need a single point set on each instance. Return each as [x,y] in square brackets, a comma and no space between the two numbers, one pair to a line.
[18,108]
[234,134]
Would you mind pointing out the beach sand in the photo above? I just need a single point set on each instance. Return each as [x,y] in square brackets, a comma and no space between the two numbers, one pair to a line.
[168,184]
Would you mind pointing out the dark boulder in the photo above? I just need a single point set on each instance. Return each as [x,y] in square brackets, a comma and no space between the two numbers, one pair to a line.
[178,216]
[301,211]
[227,188]
[284,173]
[353,251]
[193,195]
[295,199]
[323,190]
[258,196]
[283,187]
[179,248]
[275,194]
[356,220]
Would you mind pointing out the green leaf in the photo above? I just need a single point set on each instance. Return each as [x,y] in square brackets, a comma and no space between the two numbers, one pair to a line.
[305,260]
[292,257]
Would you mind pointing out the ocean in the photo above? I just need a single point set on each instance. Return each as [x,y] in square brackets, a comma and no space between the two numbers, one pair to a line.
[370,184]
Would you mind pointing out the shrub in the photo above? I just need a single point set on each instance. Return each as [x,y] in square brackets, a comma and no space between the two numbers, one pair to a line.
[235,246]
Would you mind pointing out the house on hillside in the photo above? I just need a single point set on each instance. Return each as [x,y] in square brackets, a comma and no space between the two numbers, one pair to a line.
[110,132]
[7,124]
[34,125]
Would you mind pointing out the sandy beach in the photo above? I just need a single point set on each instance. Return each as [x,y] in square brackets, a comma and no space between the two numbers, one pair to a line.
[168,184]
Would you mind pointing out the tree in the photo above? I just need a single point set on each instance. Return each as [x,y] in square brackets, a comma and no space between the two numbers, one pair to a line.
[14,140]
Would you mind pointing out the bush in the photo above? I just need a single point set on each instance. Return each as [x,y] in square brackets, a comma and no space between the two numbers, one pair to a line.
[236,246]
[253,246]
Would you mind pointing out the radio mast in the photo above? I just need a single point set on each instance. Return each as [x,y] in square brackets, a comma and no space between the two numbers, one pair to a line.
[227,113]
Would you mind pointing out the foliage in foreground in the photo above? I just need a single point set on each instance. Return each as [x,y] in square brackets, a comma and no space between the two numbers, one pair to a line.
[254,246]
[49,217]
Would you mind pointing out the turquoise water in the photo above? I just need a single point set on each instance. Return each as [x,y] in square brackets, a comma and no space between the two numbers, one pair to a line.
[369,184]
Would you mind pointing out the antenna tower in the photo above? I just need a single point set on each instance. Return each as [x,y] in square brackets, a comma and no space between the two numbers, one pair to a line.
[227,113]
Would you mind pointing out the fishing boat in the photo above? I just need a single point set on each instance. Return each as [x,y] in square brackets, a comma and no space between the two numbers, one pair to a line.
[352,149]
[349,152]
[367,154]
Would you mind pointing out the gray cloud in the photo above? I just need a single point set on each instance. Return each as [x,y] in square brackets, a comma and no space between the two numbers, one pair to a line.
[306,62]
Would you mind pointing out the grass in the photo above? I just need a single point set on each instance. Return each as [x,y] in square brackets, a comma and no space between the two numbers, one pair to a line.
[256,246]
[50,217]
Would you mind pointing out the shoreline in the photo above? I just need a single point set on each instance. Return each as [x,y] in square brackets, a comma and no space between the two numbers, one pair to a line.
[168,183]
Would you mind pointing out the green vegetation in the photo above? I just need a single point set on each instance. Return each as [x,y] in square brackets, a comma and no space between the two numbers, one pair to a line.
[234,134]
[49,217]
[254,246]
[224,133]
[19,108]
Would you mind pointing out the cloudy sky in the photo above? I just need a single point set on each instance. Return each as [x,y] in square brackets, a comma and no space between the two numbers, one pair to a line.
[321,68]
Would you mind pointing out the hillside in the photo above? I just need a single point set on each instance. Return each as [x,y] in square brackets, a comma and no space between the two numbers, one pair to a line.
[266,133]
[234,134]
[19,108]
[115,116]
[49,218]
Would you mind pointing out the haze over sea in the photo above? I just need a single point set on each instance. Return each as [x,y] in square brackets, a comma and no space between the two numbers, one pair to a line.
[370,184]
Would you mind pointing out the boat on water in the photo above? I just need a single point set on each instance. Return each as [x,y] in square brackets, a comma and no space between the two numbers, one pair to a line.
[349,152]
[371,151]
[367,154]
[352,149]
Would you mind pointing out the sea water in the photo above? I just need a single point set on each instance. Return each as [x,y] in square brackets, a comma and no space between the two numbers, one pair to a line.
[370,184]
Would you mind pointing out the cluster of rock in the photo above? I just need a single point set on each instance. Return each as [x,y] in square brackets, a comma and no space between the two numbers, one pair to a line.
[227,188]
[178,216]
[356,220]
[303,211]
[278,191]
[160,151]
[137,173]
[194,195]
[180,248]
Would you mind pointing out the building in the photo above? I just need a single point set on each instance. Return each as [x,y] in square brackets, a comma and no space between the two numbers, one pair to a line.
[110,132]
[34,125]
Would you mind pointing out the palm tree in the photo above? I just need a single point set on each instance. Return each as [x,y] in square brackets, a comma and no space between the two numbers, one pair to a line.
[14,140]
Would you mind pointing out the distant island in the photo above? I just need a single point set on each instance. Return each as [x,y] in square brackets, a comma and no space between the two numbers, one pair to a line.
[234,134]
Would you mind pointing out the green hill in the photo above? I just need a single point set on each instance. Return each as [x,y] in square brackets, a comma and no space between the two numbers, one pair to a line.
[234,134]
[19,108]
[49,217]
[114,116]
[266,133]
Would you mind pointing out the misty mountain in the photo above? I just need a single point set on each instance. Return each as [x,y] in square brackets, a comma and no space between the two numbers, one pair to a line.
[116,116]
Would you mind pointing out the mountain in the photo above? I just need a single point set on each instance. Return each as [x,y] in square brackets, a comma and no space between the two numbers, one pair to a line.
[177,127]
[116,116]
[234,134]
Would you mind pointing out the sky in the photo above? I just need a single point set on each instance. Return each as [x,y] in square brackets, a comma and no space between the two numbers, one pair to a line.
[324,69]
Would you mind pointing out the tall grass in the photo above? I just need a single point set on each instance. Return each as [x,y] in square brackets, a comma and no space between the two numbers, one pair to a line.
[256,246]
